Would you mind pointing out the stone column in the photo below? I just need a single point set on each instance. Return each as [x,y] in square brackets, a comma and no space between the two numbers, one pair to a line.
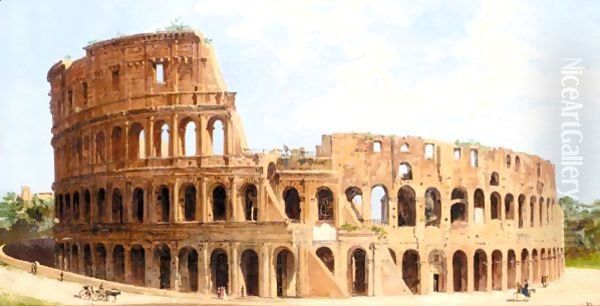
[174,150]
[150,138]
[149,203]
[488,268]
[203,202]
[504,268]
[262,201]
[174,210]
[204,270]
[233,201]
[175,273]
[150,273]
[234,266]
[126,136]
[128,273]
[264,270]
[470,273]
[377,273]
[449,274]
[109,262]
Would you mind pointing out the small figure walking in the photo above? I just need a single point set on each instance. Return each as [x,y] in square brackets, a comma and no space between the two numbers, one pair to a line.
[61,276]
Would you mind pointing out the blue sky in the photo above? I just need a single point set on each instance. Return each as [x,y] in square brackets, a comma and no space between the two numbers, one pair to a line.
[485,71]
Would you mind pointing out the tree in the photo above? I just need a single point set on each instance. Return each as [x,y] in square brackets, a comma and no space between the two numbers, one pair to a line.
[10,207]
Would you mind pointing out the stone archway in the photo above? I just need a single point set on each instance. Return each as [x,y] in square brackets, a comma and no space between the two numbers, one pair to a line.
[459,271]
[219,267]
[496,270]
[358,272]
[285,273]
[511,272]
[162,258]
[480,270]
[411,271]
[439,270]
[100,260]
[138,265]
[188,269]
[250,272]
[119,263]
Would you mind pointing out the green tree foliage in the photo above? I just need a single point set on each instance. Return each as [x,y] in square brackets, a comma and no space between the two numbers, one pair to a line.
[177,26]
[24,221]
[582,230]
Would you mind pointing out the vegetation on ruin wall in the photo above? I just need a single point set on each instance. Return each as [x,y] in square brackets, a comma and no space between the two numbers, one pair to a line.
[582,233]
[10,299]
[21,220]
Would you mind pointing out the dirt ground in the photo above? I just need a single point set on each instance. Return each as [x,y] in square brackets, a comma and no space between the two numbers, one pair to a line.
[576,287]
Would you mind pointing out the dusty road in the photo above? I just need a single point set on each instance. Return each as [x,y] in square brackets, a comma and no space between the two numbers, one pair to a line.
[576,287]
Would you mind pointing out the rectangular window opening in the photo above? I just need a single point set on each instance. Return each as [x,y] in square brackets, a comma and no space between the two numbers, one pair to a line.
[115,79]
[85,93]
[429,149]
[160,73]
[457,153]
[474,158]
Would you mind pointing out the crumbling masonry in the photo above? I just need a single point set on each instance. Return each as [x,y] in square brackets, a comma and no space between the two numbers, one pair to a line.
[155,186]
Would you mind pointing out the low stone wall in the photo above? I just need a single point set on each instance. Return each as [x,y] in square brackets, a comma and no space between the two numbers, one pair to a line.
[41,250]
[50,272]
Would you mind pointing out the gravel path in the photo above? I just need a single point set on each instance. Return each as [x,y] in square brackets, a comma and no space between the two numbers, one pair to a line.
[576,287]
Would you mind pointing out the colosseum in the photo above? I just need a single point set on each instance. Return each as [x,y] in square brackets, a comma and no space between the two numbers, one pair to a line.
[157,186]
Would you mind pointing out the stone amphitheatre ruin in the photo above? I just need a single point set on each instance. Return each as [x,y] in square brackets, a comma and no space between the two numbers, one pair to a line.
[156,186]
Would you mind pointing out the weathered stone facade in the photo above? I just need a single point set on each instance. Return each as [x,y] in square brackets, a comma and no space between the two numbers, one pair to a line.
[145,193]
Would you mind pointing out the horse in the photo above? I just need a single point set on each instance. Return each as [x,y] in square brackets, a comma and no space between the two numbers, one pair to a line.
[112,293]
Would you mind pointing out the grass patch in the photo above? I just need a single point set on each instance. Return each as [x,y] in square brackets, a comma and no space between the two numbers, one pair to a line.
[9,299]
[590,261]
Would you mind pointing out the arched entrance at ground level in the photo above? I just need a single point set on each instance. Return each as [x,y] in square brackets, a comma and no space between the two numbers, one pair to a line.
[249,266]
[188,269]
[543,263]
[480,270]
[439,270]
[138,265]
[459,271]
[119,263]
[511,262]
[411,271]
[162,257]
[496,270]
[535,266]
[219,268]
[75,259]
[87,260]
[59,255]
[100,259]
[524,266]
[285,273]
[357,268]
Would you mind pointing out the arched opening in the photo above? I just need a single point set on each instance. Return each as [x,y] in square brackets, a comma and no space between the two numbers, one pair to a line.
[535,266]
[161,137]
[480,270]
[326,256]
[459,268]
[548,211]
[377,146]
[216,133]
[162,257]
[405,171]
[524,266]
[517,163]
[189,139]
[219,203]
[292,203]
[379,204]
[511,262]
[439,271]
[407,206]
[189,202]
[117,206]
[404,148]
[496,270]
[61,208]
[249,265]
[219,270]
[119,263]
[495,201]
[59,256]
[532,211]
[136,142]
[543,262]
[75,259]
[358,270]
[250,203]
[521,210]
[138,265]
[69,213]
[354,197]
[138,205]
[509,207]
[433,207]
[76,206]
[479,212]
[99,155]
[494,179]
[163,203]
[117,144]
[411,270]
[87,260]
[100,206]
[285,272]
[325,204]
[100,260]
[188,269]
[87,206]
